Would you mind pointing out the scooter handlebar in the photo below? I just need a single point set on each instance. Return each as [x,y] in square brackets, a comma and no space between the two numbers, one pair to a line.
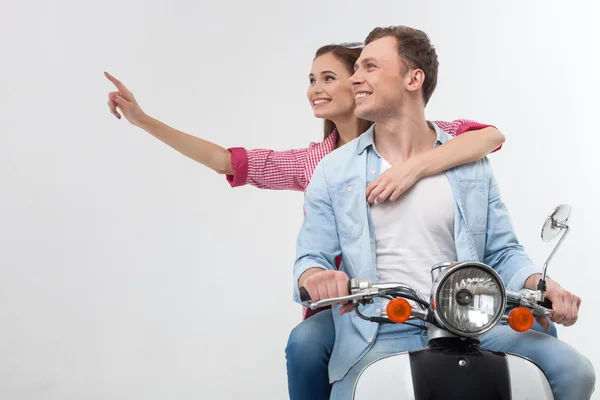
[305,296]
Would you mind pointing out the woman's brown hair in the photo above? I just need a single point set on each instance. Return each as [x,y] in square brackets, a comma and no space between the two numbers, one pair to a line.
[347,55]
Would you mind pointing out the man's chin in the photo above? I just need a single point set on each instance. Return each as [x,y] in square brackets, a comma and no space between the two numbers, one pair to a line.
[363,113]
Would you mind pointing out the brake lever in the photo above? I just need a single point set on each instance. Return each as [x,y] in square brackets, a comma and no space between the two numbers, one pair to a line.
[335,300]
[539,310]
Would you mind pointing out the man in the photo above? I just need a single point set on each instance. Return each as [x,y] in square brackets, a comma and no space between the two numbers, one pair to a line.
[453,216]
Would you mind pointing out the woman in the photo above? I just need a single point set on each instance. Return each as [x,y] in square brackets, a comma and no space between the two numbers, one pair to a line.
[330,94]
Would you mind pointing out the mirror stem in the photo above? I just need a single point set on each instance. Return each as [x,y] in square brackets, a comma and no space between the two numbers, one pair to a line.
[542,283]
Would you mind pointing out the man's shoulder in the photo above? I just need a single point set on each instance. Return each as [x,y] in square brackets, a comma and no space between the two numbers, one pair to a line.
[341,156]
[338,167]
[478,170]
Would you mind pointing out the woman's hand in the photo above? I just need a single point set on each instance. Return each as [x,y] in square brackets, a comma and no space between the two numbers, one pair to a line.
[123,100]
[393,182]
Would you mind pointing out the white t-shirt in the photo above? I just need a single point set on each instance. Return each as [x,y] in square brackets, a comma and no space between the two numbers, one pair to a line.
[415,232]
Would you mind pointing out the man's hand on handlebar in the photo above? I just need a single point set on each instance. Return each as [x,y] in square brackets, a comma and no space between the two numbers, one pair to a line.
[325,284]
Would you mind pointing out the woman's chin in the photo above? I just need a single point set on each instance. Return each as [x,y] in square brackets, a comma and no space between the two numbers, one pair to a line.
[322,114]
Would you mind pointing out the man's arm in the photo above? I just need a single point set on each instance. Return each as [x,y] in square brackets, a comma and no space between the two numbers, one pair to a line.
[506,255]
[318,244]
[503,252]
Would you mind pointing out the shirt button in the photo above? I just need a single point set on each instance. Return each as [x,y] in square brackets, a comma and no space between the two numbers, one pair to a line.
[371,241]
[473,185]
[370,340]
[349,188]
[378,311]
[373,171]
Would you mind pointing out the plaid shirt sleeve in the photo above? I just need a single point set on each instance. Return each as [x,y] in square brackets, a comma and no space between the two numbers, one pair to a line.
[269,169]
[460,126]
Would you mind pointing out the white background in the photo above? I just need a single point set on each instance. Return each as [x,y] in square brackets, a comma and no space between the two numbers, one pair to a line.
[130,272]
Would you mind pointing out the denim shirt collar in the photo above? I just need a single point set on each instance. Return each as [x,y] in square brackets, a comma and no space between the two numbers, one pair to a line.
[367,138]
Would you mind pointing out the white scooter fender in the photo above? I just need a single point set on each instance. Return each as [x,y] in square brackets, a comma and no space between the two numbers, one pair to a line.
[404,376]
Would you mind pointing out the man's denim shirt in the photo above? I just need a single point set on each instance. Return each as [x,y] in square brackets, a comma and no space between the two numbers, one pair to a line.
[338,221]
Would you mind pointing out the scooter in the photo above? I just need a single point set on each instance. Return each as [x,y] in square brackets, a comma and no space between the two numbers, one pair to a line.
[467,299]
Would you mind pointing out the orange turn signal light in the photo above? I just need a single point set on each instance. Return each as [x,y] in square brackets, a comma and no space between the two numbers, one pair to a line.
[520,319]
[398,310]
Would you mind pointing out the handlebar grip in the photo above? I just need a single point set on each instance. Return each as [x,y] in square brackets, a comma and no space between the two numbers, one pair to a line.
[546,303]
[304,296]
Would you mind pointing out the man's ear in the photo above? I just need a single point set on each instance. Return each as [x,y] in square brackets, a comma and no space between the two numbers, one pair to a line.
[416,77]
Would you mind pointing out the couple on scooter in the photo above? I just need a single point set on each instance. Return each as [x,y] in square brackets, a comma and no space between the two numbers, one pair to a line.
[451,212]
[455,215]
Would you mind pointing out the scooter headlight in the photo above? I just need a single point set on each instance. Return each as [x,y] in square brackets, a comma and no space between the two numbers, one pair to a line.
[469,298]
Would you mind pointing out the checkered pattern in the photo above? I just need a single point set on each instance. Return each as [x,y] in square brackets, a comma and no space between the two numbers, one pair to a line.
[293,169]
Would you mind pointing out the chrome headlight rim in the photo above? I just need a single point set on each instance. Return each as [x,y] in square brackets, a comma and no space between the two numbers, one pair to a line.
[449,271]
